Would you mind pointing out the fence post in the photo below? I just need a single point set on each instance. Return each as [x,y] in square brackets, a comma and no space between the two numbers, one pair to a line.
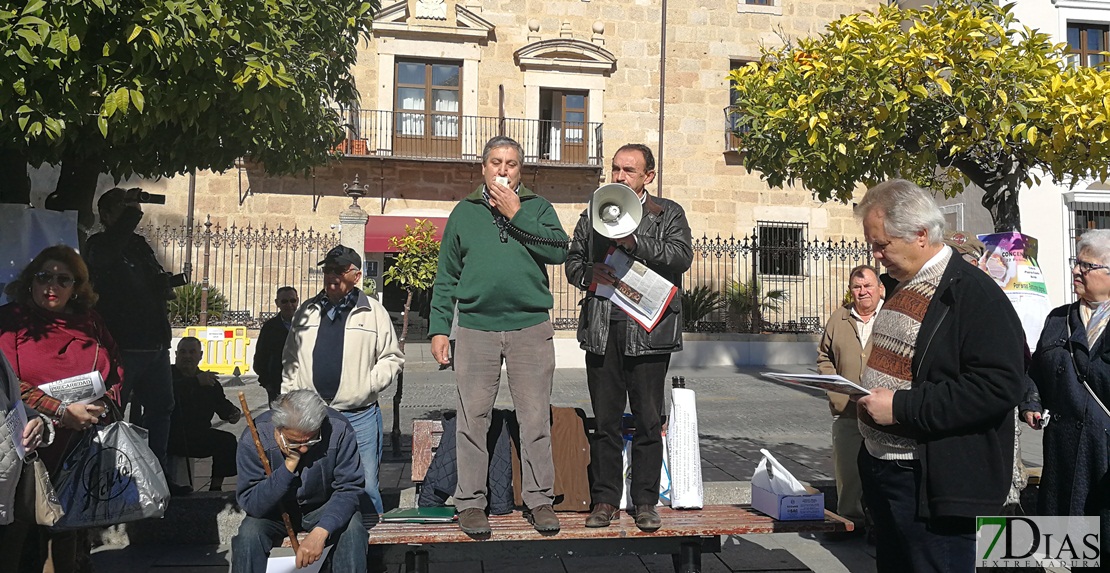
[204,280]
[757,319]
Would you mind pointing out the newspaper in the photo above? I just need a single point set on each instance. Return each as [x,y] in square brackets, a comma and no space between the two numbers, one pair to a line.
[80,389]
[16,421]
[830,382]
[639,291]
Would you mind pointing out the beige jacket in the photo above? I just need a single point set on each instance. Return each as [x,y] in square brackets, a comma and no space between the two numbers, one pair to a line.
[371,357]
[840,352]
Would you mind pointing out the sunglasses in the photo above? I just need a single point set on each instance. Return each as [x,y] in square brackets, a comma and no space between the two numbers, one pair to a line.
[46,278]
[294,446]
[330,270]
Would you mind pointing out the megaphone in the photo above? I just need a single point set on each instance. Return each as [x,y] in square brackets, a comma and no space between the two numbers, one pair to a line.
[615,210]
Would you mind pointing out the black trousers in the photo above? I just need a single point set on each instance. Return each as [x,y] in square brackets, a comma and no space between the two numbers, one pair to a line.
[905,543]
[614,380]
[209,442]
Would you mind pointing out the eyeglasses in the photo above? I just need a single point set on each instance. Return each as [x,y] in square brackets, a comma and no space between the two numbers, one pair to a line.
[331,270]
[1084,266]
[295,446]
[46,277]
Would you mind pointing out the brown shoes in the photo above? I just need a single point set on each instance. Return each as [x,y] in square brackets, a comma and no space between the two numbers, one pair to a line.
[543,518]
[647,519]
[602,515]
[473,521]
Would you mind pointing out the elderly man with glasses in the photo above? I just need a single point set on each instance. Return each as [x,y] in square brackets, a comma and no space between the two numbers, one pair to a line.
[311,450]
[342,346]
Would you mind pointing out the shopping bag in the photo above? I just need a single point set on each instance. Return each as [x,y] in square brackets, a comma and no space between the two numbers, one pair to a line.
[35,498]
[111,477]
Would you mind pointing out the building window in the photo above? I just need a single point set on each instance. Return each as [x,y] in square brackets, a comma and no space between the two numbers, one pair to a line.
[732,138]
[1085,41]
[426,108]
[759,2]
[564,125]
[780,248]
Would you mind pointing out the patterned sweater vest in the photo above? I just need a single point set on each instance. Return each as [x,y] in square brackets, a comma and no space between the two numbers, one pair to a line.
[893,343]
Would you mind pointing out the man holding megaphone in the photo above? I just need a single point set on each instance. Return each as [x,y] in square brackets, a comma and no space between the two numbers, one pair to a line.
[624,360]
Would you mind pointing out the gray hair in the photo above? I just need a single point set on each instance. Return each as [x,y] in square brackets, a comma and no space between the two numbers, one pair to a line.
[502,141]
[1097,243]
[301,410]
[906,210]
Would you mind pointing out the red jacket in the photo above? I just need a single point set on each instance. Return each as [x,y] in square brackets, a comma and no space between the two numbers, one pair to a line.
[45,346]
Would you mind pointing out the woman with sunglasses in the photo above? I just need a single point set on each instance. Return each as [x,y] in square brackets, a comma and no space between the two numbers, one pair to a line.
[49,332]
[1071,368]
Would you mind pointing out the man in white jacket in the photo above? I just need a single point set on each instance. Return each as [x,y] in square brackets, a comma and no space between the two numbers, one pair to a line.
[342,346]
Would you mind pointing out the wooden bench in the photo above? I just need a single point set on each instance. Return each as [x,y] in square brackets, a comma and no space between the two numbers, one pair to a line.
[685,534]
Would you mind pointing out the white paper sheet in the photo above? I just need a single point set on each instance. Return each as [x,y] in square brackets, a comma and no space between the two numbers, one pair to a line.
[288,563]
[16,421]
[830,382]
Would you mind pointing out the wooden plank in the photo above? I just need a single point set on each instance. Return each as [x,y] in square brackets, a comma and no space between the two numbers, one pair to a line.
[426,435]
[554,548]
[710,521]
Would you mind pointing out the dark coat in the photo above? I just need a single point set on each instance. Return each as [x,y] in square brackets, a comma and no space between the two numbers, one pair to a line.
[267,353]
[968,375]
[1076,475]
[443,474]
[663,243]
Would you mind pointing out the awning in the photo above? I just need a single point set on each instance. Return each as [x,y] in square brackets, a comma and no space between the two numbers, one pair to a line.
[379,228]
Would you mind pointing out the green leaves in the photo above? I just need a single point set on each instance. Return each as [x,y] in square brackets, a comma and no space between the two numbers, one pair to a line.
[963,92]
[158,87]
[417,257]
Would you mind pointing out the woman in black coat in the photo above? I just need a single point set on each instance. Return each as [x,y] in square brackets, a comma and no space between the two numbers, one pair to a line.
[1074,348]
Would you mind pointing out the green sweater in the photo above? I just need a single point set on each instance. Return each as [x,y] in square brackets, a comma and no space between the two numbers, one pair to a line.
[499,286]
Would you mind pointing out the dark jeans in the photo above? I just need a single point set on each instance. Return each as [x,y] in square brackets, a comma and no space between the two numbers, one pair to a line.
[147,377]
[614,380]
[904,542]
[251,547]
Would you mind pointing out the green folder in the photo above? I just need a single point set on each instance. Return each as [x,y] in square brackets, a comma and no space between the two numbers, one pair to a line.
[444,514]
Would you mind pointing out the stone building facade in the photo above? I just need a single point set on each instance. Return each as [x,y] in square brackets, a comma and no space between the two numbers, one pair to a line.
[572,80]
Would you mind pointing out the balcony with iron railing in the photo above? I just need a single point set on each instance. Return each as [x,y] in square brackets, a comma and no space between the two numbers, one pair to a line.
[449,136]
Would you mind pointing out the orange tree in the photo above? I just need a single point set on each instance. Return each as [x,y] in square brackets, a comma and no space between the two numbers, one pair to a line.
[158,88]
[414,269]
[944,95]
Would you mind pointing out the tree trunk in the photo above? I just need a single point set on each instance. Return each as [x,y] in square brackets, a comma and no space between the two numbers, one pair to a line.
[13,172]
[76,189]
[1001,181]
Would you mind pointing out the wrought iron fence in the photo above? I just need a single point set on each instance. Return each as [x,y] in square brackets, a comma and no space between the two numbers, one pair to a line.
[782,283]
[778,282]
[447,135]
[244,266]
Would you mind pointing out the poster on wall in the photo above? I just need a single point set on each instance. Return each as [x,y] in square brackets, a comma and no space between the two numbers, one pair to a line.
[1011,260]
[28,231]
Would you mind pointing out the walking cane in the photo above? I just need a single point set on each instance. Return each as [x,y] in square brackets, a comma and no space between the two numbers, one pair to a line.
[266,466]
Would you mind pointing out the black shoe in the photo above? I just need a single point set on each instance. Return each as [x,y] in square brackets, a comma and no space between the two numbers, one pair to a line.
[179,490]
[602,515]
[647,519]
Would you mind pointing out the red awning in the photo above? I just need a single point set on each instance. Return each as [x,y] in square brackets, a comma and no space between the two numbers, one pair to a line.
[381,227]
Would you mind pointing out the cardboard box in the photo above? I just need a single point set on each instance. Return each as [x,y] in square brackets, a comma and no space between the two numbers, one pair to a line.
[806,507]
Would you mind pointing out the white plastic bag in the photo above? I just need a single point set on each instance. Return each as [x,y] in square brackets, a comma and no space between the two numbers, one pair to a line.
[111,477]
[664,476]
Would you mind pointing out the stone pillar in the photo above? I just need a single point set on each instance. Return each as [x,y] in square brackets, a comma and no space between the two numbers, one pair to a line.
[352,229]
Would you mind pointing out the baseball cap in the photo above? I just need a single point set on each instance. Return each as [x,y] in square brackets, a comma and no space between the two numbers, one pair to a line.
[342,255]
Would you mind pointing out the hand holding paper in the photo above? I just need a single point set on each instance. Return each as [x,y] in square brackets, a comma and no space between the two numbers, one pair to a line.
[880,406]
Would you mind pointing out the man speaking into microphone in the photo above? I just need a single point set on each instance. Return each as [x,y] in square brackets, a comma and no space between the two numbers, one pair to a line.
[624,361]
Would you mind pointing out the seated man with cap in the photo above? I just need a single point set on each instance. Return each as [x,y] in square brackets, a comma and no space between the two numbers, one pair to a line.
[343,347]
